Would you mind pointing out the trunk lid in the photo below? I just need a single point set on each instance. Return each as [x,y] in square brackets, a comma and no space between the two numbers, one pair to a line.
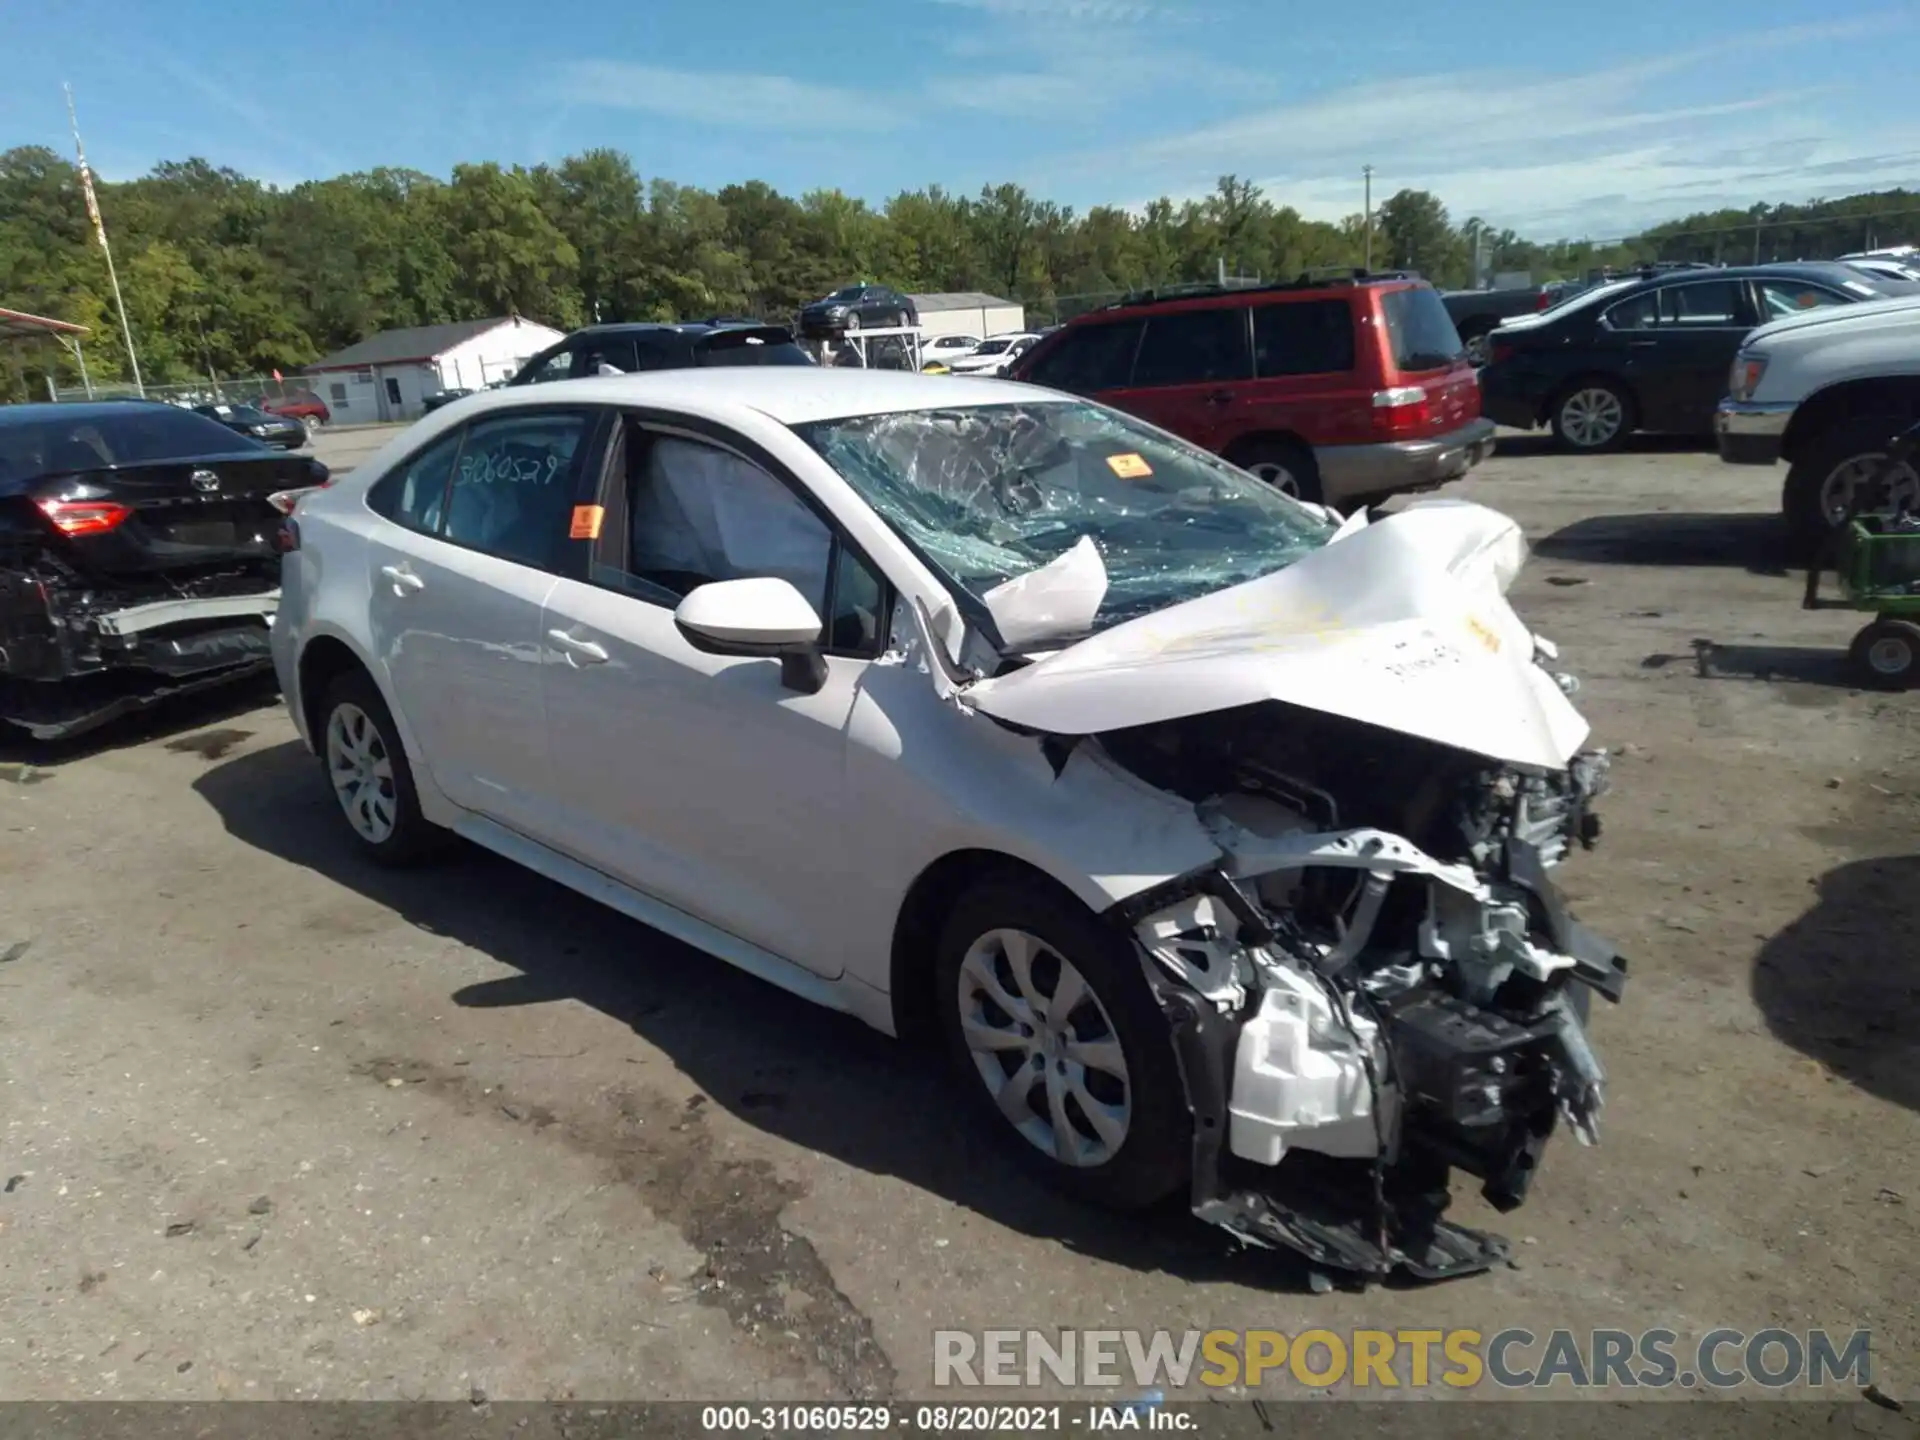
[172,514]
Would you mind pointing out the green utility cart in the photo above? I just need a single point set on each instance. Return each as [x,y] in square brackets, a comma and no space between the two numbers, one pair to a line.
[1877,563]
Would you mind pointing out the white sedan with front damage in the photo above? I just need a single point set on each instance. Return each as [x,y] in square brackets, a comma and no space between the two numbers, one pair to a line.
[1212,840]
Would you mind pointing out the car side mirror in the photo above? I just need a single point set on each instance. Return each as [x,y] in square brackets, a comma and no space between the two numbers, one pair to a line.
[763,616]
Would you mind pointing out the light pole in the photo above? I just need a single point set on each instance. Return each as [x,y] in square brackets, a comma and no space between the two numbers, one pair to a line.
[1366,175]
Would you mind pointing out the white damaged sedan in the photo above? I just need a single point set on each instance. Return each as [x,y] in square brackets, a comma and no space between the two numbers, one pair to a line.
[1210,838]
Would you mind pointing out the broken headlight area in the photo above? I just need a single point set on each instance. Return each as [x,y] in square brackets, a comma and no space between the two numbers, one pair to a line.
[76,653]
[1358,1013]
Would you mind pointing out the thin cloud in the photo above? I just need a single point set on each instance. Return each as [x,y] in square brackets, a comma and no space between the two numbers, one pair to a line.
[724,98]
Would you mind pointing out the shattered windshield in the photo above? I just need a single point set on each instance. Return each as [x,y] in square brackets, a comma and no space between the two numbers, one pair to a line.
[993,493]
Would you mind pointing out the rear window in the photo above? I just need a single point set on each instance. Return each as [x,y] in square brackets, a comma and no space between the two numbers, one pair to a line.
[750,347]
[1304,337]
[1419,330]
[1086,359]
[141,435]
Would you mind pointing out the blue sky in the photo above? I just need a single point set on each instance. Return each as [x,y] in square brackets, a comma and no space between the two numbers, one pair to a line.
[1574,120]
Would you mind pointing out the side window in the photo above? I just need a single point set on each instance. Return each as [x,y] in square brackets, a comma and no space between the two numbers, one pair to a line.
[557,366]
[1641,312]
[1790,297]
[1307,337]
[857,610]
[607,357]
[1193,347]
[697,513]
[1704,302]
[415,495]
[512,493]
[1087,359]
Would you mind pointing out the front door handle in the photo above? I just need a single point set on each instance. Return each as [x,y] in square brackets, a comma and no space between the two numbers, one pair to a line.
[405,582]
[578,652]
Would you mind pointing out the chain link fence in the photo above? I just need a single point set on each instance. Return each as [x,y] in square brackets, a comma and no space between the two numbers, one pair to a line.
[243,390]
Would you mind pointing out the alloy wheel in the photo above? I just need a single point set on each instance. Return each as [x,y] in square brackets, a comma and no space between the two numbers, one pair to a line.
[361,770]
[1276,475]
[1592,417]
[1045,1047]
[1868,483]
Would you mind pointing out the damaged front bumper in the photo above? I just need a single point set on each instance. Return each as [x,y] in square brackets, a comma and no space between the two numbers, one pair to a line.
[1337,1075]
[70,662]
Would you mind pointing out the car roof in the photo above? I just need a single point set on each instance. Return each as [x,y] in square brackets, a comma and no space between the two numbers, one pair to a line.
[664,327]
[791,395]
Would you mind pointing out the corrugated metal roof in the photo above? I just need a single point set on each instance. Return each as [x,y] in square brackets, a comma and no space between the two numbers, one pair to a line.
[414,342]
[961,300]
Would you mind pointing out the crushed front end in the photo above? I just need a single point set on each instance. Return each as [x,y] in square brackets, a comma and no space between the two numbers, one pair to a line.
[1376,985]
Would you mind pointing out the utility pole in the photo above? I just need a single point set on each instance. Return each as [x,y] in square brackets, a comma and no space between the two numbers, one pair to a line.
[100,232]
[1366,175]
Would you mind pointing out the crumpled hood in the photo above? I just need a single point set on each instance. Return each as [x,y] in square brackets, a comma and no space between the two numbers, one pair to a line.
[1402,623]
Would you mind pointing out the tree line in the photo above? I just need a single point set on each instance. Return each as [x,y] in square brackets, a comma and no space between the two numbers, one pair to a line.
[224,276]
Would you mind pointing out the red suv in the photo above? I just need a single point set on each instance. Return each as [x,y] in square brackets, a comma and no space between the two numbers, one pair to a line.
[1342,391]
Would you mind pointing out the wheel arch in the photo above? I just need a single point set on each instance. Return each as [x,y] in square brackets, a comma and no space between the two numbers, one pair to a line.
[1847,400]
[924,909]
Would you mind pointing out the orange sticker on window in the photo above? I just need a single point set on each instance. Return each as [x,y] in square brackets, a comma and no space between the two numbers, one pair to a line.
[586,522]
[1129,467]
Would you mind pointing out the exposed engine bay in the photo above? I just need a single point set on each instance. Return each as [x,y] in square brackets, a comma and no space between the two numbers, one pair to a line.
[79,651]
[1377,985]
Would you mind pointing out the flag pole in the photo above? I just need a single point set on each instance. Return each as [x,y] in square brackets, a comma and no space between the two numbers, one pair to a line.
[100,232]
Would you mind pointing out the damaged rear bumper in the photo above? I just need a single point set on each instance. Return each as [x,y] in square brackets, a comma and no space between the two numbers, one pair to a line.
[71,663]
[1335,1083]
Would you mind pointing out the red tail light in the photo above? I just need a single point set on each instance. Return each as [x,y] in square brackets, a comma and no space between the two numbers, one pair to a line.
[1403,410]
[84,517]
[1545,302]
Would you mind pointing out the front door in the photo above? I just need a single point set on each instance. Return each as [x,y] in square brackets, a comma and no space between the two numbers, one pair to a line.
[457,585]
[700,779]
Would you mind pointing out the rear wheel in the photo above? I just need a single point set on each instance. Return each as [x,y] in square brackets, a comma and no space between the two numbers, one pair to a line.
[853,321]
[1593,416]
[1886,655]
[1286,465]
[367,771]
[1055,1040]
[1477,342]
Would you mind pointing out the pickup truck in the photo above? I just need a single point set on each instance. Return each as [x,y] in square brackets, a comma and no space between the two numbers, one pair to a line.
[1477,313]
[1826,391]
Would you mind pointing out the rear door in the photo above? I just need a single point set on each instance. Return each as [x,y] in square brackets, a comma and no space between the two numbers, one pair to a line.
[1191,373]
[480,522]
[1702,323]
[1305,379]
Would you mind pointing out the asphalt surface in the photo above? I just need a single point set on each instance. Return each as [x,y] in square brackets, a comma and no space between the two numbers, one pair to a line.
[274,1123]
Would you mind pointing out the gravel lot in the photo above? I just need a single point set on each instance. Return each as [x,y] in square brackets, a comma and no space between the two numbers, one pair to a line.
[287,1126]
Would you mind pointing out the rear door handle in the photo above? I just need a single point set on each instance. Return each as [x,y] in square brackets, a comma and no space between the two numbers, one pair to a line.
[1644,344]
[578,652]
[404,580]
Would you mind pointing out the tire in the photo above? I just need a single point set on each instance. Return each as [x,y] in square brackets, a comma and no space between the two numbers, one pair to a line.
[1807,502]
[1580,413]
[853,321]
[407,837]
[903,320]
[1286,465]
[1153,1155]
[1475,341]
[1886,655]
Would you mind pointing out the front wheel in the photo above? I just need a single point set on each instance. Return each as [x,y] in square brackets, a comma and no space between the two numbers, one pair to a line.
[1055,1037]
[853,321]
[1886,655]
[1846,472]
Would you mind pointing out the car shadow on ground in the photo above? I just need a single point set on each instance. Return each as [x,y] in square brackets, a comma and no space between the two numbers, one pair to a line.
[1755,542]
[1841,984]
[223,708]
[804,1074]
